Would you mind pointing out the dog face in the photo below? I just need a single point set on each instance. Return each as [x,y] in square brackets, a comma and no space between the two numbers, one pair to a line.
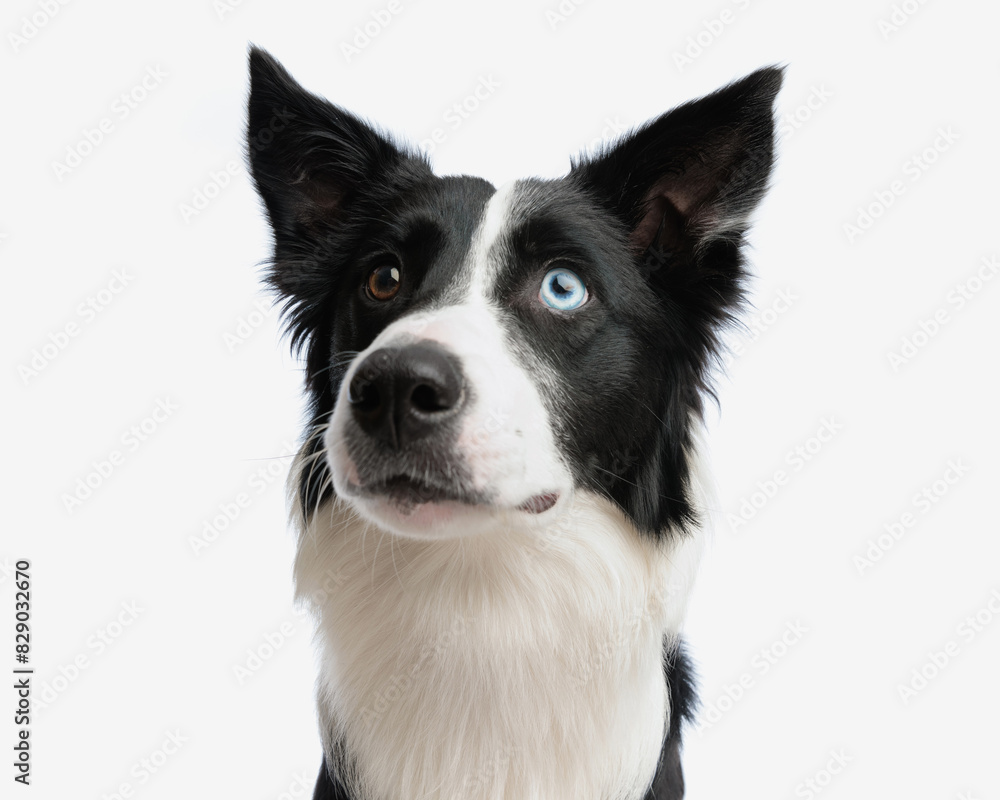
[476,356]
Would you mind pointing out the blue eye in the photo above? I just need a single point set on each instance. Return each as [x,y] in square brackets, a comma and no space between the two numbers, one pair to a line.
[562,290]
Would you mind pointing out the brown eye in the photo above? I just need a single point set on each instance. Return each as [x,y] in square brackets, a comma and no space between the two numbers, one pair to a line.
[383,283]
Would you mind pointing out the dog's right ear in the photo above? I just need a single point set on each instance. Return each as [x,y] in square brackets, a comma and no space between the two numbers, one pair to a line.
[310,159]
[694,174]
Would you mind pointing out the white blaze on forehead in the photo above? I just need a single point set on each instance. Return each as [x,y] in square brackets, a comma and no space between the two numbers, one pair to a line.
[483,265]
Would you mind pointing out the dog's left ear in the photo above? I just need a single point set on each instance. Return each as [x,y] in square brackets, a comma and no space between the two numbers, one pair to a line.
[311,160]
[694,174]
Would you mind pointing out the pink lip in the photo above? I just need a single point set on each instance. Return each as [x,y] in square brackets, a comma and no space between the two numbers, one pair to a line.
[539,503]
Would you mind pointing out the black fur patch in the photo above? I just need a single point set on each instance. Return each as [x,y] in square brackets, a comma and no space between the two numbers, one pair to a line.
[328,787]
[654,224]
[668,784]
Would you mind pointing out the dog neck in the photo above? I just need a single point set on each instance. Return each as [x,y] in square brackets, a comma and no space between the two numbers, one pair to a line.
[523,664]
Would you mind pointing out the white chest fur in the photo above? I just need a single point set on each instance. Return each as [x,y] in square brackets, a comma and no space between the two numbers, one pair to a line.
[525,665]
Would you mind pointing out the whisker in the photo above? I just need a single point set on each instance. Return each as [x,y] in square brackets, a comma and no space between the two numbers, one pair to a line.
[630,483]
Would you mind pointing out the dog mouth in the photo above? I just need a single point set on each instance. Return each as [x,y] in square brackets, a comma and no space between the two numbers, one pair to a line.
[407,491]
[540,503]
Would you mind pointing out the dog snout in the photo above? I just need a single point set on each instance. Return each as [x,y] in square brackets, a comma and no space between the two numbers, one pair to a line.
[403,394]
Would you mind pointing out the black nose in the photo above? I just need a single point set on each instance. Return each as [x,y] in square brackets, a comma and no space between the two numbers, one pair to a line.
[400,395]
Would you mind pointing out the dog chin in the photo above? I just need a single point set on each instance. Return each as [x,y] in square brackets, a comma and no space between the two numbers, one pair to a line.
[447,519]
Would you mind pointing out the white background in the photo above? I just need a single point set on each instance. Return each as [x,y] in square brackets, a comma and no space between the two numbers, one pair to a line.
[880,98]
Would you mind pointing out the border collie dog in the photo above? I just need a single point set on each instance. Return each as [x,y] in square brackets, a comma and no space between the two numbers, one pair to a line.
[499,495]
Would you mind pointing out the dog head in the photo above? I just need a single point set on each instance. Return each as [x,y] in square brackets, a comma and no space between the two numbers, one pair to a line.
[476,356]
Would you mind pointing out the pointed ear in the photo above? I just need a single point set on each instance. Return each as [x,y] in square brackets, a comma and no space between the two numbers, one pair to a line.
[695,173]
[309,158]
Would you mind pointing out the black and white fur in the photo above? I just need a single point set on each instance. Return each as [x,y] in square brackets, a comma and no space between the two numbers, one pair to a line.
[500,505]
